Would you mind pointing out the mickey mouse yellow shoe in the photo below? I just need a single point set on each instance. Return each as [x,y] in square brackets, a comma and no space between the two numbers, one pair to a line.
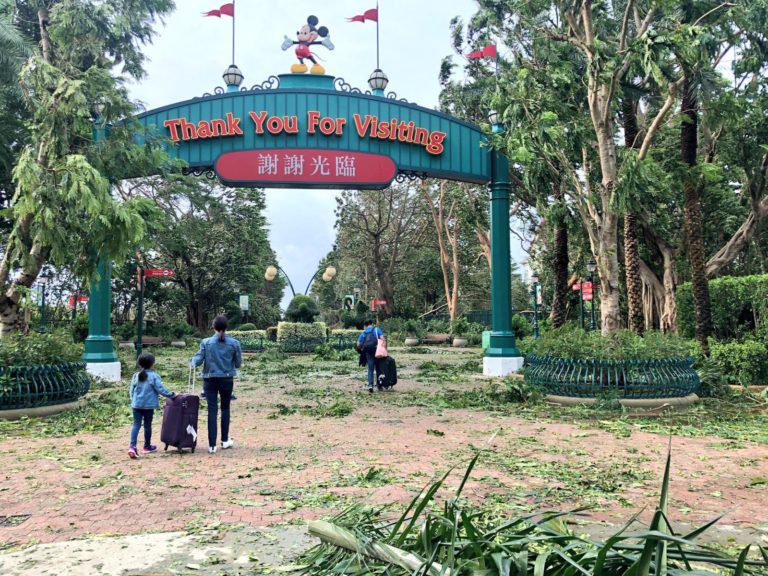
[299,68]
[317,69]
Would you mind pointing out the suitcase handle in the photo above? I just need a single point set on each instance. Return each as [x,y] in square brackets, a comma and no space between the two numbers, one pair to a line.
[192,376]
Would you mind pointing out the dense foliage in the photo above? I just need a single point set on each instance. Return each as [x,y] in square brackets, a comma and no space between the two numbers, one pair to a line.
[38,349]
[573,343]
[741,306]
[302,309]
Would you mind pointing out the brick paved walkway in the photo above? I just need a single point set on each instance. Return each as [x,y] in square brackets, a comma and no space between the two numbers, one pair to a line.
[293,466]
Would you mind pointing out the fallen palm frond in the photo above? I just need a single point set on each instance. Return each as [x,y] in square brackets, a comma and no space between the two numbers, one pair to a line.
[456,539]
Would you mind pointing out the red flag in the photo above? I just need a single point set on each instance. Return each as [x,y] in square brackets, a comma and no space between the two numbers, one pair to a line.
[487,52]
[372,15]
[225,10]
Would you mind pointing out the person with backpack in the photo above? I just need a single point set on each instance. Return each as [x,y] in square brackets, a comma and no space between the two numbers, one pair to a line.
[366,345]
[220,356]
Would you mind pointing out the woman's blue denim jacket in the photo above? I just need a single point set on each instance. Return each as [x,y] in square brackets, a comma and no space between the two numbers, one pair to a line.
[220,359]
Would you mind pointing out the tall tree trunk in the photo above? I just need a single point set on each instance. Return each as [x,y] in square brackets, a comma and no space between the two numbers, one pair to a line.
[692,219]
[384,278]
[634,282]
[560,261]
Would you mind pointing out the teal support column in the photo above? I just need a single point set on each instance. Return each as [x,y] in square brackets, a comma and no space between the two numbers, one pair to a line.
[99,354]
[99,347]
[502,357]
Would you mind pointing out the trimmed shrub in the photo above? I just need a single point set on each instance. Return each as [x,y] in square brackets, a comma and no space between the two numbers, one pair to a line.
[247,333]
[574,343]
[346,333]
[743,363]
[36,349]
[290,334]
[302,309]
[247,327]
[740,306]
[271,333]
[521,326]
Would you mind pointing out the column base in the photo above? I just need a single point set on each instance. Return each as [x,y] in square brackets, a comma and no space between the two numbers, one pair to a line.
[109,371]
[500,367]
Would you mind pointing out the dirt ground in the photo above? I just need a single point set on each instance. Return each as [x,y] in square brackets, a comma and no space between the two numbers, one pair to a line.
[309,442]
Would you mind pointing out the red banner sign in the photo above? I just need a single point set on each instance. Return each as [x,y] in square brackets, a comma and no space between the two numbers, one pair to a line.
[158,273]
[78,300]
[323,168]
[376,303]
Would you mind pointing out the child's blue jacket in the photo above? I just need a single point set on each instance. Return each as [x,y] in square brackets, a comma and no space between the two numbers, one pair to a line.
[145,395]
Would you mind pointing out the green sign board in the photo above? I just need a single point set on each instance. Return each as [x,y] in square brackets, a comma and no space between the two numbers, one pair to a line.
[315,131]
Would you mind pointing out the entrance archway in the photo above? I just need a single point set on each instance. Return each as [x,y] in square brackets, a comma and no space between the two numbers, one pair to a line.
[316,131]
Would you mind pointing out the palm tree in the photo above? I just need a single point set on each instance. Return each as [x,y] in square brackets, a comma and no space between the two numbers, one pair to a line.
[13,51]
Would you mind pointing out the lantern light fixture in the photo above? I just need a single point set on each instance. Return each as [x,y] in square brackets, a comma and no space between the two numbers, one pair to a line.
[378,82]
[233,78]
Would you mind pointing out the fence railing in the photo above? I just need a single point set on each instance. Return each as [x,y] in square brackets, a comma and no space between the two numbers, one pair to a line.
[297,345]
[35,386]
[630,379]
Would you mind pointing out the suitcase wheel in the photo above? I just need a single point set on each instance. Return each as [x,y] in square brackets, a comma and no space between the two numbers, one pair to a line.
[166,447]
[193,450]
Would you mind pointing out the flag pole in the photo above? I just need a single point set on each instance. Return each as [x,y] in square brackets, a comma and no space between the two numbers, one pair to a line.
[234,15]
[378,19]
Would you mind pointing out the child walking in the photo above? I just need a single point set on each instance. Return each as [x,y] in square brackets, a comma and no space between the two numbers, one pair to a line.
[146,387]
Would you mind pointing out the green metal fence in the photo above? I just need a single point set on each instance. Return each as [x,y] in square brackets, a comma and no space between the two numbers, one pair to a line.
[630,379]
[35,386]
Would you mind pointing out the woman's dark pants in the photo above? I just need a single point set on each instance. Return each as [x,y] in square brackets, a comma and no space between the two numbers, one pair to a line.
[212,389]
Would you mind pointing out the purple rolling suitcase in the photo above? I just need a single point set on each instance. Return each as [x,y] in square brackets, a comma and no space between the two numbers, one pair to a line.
[180,419]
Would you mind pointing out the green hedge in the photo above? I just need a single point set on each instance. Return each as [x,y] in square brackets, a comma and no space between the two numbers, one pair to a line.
[39,349]
[345,333]
[293,331]
[573,343]
[744,363]
[238,334]
[739,305]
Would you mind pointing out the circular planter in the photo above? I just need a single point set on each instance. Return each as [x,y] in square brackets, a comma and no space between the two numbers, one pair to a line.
[619,379]
[459,342]
[411,341]
[24,387]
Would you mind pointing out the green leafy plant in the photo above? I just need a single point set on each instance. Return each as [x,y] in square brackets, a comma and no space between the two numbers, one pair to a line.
[521,327]
[460,326]
[743,363]
[302,309]
[455,537]
[573,343]
[36,349]
[742,306]
[247,327]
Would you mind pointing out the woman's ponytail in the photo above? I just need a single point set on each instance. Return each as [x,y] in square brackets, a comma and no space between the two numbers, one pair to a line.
[220,324]
[145,362]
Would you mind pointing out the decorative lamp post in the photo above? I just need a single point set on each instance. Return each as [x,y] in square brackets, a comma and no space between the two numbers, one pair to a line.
[535,295]
[43,280]
[378,82]
[591,267]
[495,119]
[233,78]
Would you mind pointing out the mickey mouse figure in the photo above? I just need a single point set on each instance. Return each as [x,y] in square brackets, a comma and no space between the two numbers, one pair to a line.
[307,36]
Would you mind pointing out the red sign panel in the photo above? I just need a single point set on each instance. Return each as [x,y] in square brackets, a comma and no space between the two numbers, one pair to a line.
[306,167]
[158,273]
[585,285]
[375,303]
[79,300]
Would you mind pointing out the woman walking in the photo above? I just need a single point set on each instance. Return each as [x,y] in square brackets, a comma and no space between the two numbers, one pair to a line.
[220,356]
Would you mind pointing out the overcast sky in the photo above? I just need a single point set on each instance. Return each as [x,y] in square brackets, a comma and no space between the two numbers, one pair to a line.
[191,52]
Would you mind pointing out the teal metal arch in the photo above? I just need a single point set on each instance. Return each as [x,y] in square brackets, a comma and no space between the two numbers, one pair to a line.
[465,156]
